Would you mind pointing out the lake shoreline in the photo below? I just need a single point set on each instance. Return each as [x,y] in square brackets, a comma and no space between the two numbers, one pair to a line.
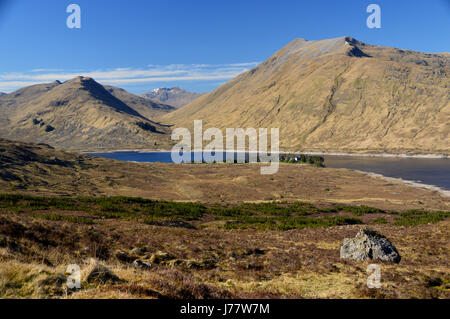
[442,191]
[385,155]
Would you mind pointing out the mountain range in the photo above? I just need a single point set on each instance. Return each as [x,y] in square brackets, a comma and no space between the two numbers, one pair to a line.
[176,97]
[82,114]
[329,95]
[337,95]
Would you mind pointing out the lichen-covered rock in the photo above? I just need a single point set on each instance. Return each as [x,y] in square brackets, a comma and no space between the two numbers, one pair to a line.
[369,244]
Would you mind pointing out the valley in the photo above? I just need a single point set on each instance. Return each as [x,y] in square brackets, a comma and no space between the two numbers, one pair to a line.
[163,230]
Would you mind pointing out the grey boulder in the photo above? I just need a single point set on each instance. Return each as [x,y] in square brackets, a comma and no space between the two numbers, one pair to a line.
[369,245]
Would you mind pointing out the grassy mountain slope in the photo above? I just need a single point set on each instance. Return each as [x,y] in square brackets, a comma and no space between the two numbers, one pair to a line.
[337,95]
[79,114]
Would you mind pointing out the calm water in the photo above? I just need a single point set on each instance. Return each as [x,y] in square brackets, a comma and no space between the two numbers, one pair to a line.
[428,171]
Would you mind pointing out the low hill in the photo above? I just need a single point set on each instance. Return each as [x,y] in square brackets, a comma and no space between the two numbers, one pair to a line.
[337,95]
[81,114]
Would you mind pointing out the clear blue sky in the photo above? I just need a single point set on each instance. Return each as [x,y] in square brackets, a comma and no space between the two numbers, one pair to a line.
[195,44]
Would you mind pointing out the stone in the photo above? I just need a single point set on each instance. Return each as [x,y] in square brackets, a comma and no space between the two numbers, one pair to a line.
[369,245]
[141,264]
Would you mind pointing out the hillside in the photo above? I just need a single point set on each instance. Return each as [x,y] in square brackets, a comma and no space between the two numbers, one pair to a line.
[81,114]
[143,106]
[337,95]
[176,97]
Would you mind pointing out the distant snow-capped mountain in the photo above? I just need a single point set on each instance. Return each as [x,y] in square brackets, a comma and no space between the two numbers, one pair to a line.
[175,96]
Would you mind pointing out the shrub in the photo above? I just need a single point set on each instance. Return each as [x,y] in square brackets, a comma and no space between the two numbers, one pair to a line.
[417,217]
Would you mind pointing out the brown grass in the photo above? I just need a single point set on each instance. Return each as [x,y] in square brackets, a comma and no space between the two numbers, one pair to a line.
[216,263]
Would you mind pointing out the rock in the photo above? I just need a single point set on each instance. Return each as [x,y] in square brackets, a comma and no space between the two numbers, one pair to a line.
[200,264]
[101,274]
[193,264]
[141,264]
[160,257]
[369,244]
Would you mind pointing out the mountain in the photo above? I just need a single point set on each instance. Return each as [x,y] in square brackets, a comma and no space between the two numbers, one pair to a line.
[337,95]
[175,96]
[1,93]
[81,114]
[146,107]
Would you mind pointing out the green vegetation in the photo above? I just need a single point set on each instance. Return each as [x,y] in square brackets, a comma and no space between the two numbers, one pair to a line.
[379,220]
[356,210]
[419,217]
[284,223]
[24,202]
[279,216]
[314,160]
[303,158]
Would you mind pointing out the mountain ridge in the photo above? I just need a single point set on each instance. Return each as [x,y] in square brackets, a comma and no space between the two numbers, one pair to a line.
[337,95]
[79,114]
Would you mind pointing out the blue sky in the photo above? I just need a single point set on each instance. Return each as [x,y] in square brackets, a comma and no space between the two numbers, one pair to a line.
[196,44]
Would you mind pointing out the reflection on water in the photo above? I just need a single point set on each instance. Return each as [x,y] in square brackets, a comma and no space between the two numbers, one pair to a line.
[427,171]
